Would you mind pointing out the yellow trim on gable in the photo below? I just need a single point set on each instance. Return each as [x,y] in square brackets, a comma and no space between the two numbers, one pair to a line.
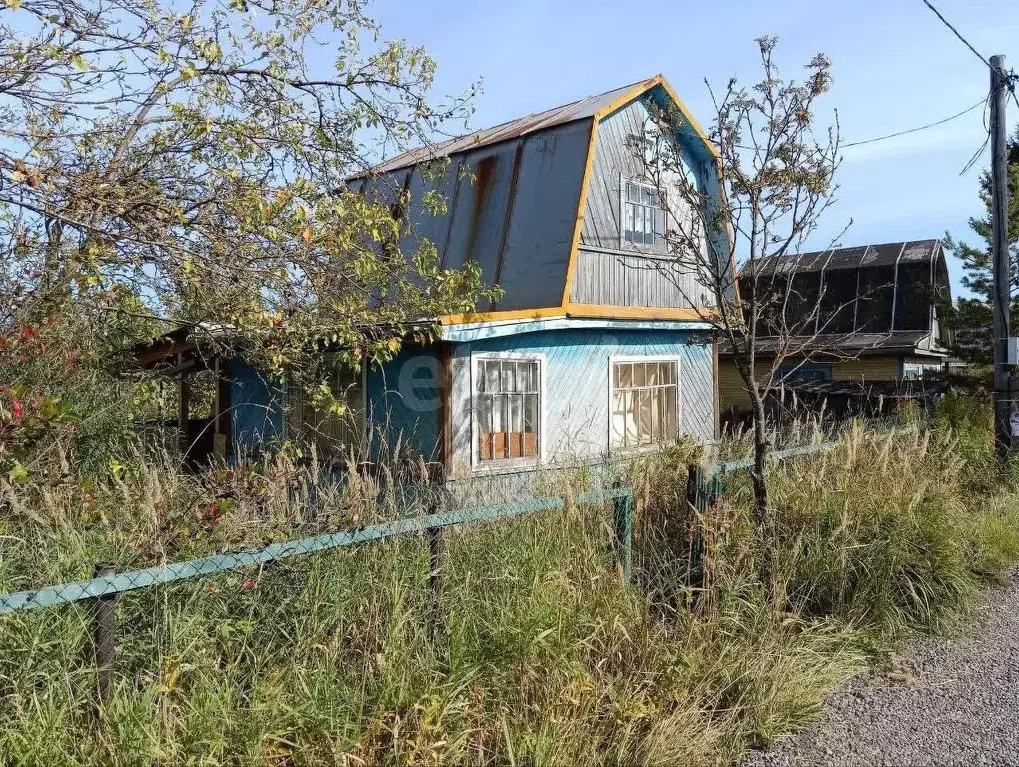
[647,85]
[636,312]
[585,182]
[660,80]
[512,314]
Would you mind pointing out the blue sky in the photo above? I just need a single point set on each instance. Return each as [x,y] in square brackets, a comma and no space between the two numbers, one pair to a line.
[895,67]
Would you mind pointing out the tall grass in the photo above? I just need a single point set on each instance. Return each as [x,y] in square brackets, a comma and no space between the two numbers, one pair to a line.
[547,658]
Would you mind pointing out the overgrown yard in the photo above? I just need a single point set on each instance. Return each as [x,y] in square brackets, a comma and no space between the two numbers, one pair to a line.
[549,659]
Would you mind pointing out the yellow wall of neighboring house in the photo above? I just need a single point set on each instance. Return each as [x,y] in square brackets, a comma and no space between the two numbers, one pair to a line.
[870,368]
[732,393]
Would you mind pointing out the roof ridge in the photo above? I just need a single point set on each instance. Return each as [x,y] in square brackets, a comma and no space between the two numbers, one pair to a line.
[529,123]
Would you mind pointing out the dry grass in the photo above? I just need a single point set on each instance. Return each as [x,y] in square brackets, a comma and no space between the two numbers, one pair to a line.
[549,659]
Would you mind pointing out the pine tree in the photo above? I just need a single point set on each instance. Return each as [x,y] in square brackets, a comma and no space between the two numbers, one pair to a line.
[972,317]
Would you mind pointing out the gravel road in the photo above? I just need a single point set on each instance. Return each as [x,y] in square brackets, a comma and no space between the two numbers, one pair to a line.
[946,703]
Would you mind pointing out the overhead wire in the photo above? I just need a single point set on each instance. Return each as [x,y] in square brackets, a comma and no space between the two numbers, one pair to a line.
[967,110]
[957,33]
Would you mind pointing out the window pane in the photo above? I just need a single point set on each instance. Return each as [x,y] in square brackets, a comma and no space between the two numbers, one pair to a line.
[491,376]
[658,420]
[652,373]
[645,417]
[618,418]
[527,376]
[509,370]
[531,413]
[645,195]
[633,192]
[670,413]
[625,374]
[516,413]
[632,425]
[639,377]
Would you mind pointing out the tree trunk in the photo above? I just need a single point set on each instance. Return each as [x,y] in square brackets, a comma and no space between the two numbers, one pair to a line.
[757,473]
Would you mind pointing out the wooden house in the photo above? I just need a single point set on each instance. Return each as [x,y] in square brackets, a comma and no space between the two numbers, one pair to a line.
[874,333]
[591,350]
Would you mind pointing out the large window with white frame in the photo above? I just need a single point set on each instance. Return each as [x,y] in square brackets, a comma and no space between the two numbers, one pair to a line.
[507,408]
[644,401]
[643,214]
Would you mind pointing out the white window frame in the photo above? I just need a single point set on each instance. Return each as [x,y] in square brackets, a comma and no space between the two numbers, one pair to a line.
[610,390]
[660,219]
[502,464]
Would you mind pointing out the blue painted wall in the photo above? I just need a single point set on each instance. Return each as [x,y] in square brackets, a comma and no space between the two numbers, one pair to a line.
[403,396]
[403,405]
[256,406]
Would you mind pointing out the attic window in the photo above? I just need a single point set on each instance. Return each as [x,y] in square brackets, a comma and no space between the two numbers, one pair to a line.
[643,216]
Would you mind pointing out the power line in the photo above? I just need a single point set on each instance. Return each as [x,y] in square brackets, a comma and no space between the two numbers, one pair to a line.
[983,59]
[967,110]
[976,156]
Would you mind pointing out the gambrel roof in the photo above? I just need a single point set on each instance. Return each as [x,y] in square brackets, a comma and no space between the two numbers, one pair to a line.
[516,195]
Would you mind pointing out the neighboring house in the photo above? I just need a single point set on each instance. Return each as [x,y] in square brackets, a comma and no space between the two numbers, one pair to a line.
[875,337]
[592,348]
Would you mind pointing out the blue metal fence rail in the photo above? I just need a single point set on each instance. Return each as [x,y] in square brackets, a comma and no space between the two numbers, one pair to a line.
[93,588]
[107,585]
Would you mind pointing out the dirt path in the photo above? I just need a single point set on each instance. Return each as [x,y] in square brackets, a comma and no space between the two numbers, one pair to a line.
[953,703]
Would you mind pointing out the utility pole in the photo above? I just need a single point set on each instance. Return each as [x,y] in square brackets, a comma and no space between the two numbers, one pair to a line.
[1002,299]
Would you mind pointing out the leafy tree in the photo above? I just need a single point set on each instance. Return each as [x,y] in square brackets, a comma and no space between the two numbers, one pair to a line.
[973,318]
[193,157]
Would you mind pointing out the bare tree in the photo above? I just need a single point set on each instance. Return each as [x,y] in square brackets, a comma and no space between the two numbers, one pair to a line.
[775,178]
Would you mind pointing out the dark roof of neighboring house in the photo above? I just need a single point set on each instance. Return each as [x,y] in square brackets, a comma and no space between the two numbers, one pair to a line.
[848,343]
[854,257]
[576,110]
[862,300]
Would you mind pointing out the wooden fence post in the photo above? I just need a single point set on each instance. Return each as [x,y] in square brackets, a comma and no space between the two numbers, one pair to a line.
[622,525]
[105,636]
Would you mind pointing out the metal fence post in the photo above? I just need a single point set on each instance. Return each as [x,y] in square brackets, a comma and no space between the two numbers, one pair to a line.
[622,525]
[105,636]
[437,561]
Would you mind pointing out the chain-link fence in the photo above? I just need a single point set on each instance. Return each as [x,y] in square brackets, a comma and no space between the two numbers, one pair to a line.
[229,623]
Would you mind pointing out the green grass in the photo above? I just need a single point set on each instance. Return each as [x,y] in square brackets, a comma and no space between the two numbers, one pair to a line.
[548,658]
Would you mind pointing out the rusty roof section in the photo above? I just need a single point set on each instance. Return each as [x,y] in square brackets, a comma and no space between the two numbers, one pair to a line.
[576,110]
